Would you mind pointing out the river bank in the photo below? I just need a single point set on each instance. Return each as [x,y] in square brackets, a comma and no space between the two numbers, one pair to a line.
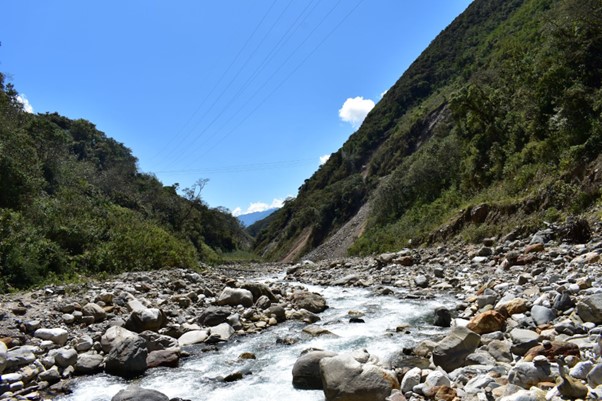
[513,294]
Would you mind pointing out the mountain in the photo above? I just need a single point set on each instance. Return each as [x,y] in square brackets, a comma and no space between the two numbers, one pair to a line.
[72,202]
[250,218]
[496,126]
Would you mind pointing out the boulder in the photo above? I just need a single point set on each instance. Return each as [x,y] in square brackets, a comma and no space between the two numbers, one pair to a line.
[433,381]
[421,281]
[94,310]
[345,379]
[310,301]
[278,312]
[219,333]
[306,370]
[523,340]
[305,316]
[142,319]
[51,375]
[20,356]
[542,315]
[487,322]
[443,317]
[500,350]
[513,306]
[128,358]
[527,374]
[193,337]
[88,363]
[58,336]
[235,296]
[594,377]
[163,357]
[258,290]
[64,357]
[410,380]
[156,341]
[590,308]
[113,337]
[451,352]
[213,315]
[136,393]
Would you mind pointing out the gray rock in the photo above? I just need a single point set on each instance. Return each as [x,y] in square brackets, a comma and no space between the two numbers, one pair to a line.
[500,350]
[83,343]
[306,370]
[344,379]
[128,358]
[436,378]
[410,380]
[311,301]
[235,296]
[527,374]
[193,337]
[523,340]
[94,310]
[219,333]
[64,357]
[258,290]
[478,384]
[58,336]
[421,281]
[114,336]
[51,375]
[443,317]
[278,312]
[20,356]
[141,319]
[590,308]
[542,315]
[263,302]
[214,315]
[594,377]
[451,352]
[88,363]
[581,369]
[136,393]
[305,316]
[156,341]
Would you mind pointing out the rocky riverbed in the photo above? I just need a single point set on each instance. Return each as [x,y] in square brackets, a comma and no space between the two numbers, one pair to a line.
[527,323]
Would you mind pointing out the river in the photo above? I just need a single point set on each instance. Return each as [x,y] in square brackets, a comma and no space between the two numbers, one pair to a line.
[268,377]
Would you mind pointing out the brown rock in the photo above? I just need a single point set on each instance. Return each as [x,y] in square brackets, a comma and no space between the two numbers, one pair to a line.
[163,357]
[552,350]
[487,322]
[405,260]
[446,393]
[516,305]
[539,247]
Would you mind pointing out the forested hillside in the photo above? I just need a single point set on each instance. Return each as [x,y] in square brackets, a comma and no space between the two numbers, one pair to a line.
[501,113]
[73,202]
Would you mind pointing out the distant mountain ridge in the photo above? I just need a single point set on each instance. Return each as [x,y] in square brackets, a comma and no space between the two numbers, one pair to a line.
[250,218]
[495,127]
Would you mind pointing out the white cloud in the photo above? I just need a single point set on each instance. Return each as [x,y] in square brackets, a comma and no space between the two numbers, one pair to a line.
[324,159]
[258,207]
[21,98]
[355,109]
[384,93]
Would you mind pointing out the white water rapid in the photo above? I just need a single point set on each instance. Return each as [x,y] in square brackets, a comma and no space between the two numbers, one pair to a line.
[269,376]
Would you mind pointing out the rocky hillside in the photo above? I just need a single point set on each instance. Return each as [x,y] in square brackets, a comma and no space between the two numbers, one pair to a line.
[498,118]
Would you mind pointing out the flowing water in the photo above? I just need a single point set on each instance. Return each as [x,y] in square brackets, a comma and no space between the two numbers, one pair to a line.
[269,376]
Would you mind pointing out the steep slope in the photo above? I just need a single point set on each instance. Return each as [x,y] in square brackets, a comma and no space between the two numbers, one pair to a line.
[72,201]
[503,107]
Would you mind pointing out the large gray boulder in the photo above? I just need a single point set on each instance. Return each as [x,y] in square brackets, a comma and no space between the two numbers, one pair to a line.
[57,335]
[114,336]
[306,370]
[20,356]
[527,374]
[450,353]
[310,301]
[523,340]
[94,310]
[542,315]
[193,337]
[213,315]
[143,319]
[345,379]
[235,296]
[64,357]
[258,290]
[128,358]
[135,393]
[590,308]
[221,332]
[88,363]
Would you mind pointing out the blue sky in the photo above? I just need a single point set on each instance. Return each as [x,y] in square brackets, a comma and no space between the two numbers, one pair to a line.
[252,95]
